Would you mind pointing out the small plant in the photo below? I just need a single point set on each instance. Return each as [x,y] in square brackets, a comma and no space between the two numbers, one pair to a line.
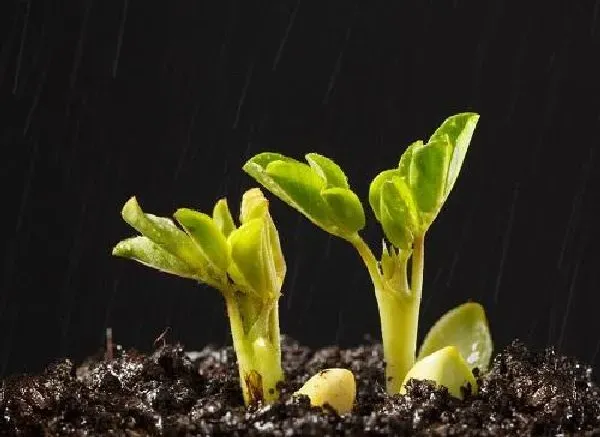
[405,200]
[244,263]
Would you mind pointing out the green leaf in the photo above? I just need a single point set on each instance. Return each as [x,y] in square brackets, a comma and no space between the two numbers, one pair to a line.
[303,187]
[207,235]
[262,160]
[251,264]
[406,159]
[254,205]
[144,251]
[328,170]
[275,253]
[222,217]
[446,367]
[398,213]
[346,209]
[164,233]
[465,327]
[375,190]
[293,182]
[459,128]
[428,169]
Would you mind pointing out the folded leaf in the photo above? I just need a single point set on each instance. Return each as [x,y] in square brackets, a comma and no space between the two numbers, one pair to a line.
[207,235]
[346,210]
[406,159]
[465,327]
[250,255]
[328,170]
[163,232]
[446,367]
[143,250]
[375,190]
[459,128]
[275,253]
[254,205]
[399,218]
[222,217]
[428,169]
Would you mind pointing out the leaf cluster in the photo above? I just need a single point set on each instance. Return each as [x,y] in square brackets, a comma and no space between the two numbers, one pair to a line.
[210,248]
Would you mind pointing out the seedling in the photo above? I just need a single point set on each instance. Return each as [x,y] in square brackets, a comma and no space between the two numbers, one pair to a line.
[405,201]
[244,263]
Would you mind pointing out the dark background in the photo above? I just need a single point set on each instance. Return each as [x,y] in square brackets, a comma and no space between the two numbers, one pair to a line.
[166,100]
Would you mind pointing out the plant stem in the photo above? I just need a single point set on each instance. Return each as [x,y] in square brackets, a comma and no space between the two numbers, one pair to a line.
[398,313]
[416,272]
[399,322]
[258,352]
[369,259]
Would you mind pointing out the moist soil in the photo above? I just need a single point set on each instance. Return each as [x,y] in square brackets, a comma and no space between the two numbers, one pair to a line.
[172,393]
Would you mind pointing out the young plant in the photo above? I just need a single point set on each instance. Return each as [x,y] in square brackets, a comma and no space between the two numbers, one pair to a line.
[244,263]
[405,201]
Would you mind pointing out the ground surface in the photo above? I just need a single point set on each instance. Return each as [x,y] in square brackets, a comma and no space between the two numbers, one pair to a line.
[168,394]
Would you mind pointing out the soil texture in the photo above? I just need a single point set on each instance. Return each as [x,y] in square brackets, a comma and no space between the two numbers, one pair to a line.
[172,393]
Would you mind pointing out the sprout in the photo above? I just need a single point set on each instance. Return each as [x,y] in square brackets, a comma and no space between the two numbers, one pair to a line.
[405,200]
[244,263]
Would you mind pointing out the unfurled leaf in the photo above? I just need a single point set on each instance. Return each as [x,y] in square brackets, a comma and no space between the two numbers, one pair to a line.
[346,210]
[459,130]
[465,327]
[399,218]
[207,235]
[375,190]
[328,170]
[143,250]
[303,186]
[428,169]
[293,182]
[445,367]
[223,218]
[254,205]
[164,233]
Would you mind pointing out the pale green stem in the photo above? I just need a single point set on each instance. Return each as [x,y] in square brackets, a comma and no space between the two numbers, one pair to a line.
[369,260]
[398,312]
[258,352]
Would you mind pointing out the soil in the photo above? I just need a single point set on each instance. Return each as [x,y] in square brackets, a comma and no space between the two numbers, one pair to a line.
[172,393]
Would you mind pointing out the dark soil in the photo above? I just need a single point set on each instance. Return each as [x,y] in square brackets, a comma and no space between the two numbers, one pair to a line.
[170,394]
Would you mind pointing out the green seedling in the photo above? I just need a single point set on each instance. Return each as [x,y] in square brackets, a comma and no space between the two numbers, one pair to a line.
[405,200]
[244,263]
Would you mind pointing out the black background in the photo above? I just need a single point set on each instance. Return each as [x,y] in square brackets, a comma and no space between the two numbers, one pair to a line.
[166,100]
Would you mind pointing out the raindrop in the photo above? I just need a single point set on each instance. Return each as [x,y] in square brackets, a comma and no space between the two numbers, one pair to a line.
[115,64]
[506,241]
[567,310]
[285,36]
[20,55]
[243,96]
[576,206]
[79,49]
